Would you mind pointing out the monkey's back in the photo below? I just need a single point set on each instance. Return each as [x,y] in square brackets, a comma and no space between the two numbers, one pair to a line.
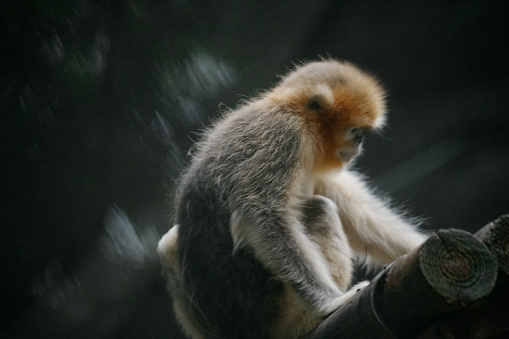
[239,163]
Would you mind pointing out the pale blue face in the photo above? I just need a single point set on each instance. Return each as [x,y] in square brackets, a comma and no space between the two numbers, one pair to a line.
[352,146]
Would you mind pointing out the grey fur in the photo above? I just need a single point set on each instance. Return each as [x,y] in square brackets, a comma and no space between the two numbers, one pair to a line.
[248,165]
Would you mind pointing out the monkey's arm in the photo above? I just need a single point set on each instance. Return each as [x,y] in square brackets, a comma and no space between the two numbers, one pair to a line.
[266,201]
[373,228]
[285,249]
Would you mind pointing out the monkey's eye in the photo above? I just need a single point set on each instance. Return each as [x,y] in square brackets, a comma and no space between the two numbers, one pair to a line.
[315,105]
[356,134]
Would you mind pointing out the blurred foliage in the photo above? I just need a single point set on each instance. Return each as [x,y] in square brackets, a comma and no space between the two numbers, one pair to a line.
[97,99]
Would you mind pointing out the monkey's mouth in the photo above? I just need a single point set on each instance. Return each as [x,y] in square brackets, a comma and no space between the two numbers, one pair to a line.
[346,156]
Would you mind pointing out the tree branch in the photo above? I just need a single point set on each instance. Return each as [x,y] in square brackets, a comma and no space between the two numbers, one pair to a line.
[449,272]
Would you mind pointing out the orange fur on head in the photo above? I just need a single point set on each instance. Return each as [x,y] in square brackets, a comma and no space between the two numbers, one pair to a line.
[332,97]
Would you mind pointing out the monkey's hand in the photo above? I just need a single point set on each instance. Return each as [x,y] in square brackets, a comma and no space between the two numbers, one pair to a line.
[343,299]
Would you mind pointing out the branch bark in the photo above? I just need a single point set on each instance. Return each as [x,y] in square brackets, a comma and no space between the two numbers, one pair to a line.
[489,317]
[450,271]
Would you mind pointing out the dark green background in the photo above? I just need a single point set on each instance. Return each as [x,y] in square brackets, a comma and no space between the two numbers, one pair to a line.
[100,102]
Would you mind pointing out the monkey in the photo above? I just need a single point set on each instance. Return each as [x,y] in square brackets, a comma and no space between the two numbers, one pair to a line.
[269,214]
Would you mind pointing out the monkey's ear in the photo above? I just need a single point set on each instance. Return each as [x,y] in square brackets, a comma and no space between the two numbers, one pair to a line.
[314,104]
[321,98]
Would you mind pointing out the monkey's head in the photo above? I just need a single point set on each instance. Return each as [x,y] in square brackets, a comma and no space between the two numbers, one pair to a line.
[339,103]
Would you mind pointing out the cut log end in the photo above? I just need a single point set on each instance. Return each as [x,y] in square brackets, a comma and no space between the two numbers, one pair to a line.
[458,266]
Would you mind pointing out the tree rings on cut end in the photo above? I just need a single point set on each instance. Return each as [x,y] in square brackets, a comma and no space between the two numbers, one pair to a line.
[458,266]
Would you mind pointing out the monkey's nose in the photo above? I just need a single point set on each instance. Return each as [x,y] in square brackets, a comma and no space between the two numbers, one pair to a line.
[357,134]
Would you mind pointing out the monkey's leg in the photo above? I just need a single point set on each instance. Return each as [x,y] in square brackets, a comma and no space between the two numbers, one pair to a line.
[324,228]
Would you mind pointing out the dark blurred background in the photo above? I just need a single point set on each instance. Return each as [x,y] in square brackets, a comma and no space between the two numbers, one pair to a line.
[101,100]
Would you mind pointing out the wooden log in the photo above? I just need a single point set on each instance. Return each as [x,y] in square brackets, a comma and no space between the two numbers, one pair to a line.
[489,317]
[495,236]
[450,270]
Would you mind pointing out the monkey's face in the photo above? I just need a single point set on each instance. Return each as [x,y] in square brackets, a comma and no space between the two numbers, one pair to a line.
[351,145]
[340,120]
